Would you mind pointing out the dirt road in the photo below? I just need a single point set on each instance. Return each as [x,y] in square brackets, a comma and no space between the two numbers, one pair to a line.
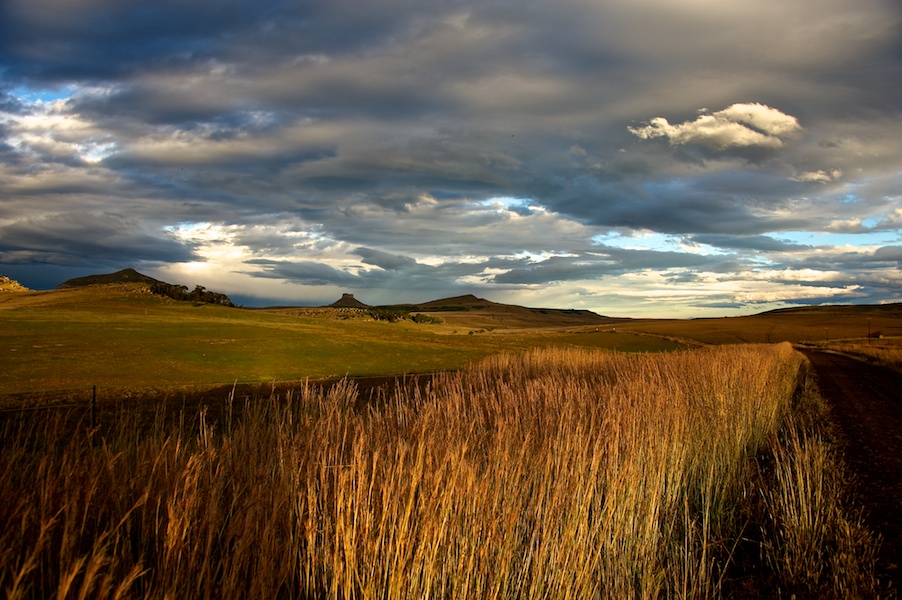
[866,403]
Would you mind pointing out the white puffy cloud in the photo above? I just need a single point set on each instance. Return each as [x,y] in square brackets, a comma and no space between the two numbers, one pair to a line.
[737,126]
[845,226]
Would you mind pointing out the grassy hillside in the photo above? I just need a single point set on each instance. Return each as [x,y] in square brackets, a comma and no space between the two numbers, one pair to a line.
[121,336]
[123,276]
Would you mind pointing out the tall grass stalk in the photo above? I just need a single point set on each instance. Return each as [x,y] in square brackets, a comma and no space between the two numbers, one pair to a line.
[554,474]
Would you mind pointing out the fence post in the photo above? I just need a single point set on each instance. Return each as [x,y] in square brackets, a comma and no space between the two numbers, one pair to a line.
[94,407]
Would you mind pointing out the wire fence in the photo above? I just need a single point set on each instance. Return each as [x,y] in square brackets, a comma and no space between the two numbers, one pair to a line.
[99,397]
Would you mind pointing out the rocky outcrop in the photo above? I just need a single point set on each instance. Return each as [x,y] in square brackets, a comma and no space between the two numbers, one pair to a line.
[11,285]
[348,301]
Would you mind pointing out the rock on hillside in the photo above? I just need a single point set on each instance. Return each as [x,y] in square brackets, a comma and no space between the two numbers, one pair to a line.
[123,276]
[11,285]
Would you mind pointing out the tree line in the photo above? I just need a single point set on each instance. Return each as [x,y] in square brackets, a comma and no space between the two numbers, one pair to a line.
[200,294]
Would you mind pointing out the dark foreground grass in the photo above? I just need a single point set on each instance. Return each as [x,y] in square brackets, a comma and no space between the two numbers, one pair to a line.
[554,474]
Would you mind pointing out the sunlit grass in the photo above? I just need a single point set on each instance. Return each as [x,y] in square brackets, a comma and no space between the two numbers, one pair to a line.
[816,325]
[127,339]
[553,474]
[885,352]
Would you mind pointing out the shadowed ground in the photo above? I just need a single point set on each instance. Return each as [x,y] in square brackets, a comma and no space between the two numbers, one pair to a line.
[866,401]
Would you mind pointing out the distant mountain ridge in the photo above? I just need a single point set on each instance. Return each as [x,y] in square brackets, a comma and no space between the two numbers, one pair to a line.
[123,276]
[491,312]
[863,309]
[466,304]
[469,302]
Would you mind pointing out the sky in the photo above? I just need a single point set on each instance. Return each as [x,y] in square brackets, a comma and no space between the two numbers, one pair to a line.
[650,158]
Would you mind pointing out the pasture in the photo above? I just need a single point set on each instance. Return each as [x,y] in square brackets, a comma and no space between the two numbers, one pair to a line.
[122,338]
[811,325]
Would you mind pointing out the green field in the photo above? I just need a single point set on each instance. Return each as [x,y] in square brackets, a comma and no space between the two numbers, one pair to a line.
[121,337]
[125,338]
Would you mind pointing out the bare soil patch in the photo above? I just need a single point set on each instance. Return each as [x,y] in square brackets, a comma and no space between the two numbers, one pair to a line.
[866,405]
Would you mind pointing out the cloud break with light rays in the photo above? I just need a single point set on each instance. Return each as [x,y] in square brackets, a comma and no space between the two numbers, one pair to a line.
[648,158]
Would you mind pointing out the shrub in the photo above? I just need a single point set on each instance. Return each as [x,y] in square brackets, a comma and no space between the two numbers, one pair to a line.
[392,315]
[424,318]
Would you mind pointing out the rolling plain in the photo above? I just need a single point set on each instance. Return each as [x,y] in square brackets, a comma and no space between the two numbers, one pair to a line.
[122,338]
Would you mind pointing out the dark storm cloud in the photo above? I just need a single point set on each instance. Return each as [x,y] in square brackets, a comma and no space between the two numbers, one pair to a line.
[441,280]
[888,254]
[384,260]
[9,103]
[597,264]
[85,238]
[61,40]
[760,243]
[861,263]
[677,206]
[302,272]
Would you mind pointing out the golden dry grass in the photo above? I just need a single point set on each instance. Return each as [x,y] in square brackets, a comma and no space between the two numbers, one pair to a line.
[554,474]
[885,352]
[813,325]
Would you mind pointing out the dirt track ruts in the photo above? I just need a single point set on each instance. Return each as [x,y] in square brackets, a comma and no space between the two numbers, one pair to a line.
[866,407]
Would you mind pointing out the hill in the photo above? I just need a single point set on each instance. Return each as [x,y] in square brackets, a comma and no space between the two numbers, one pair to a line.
[11,285]
[348,301]
[468,312]
[200,294]
[467,302]
[844,309]
[471,311]
[123,276]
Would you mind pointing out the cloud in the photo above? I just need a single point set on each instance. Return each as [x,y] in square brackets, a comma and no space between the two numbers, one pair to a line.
[598,263]
[888,254]
[301,272]
[891,222]
[384,260]
[439,147]
[738,126]
[759,243]
[85,238]
[819,176]
[846,226]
